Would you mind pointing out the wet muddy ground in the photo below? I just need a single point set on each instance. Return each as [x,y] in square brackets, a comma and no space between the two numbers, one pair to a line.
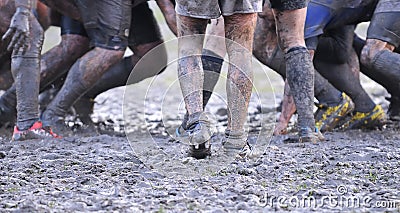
[146,169]
[354,170]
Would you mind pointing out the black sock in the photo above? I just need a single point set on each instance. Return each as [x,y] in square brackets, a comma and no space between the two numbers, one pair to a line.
[212,64]
[325,92]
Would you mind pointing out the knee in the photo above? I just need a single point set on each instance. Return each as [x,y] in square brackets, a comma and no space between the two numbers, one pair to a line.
[372,49]
[111,56]
[368,54]
[74,46]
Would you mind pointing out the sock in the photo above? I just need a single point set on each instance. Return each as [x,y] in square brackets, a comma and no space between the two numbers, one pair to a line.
[300,75]
[325,92]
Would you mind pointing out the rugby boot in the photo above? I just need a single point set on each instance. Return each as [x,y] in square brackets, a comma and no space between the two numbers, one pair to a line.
[327,117]
[36,131]
[237,144]
[56,122]
[306,134]
[199,134]
[394,108]
[366,120]
[180,132]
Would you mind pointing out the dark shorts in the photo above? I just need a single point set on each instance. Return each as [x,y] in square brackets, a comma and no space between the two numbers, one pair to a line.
[144,28]
[70,26]
[283,5]
[385,23]
[106,22]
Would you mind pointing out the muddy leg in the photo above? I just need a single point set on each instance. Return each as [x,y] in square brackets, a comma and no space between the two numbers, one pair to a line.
[341,76]
[288,109]
[118,74]
[53,65]
[25,69]
[324,92]
[378,55]
[299,67]
[212,59]
[240,74]
[83,74]
[190,68]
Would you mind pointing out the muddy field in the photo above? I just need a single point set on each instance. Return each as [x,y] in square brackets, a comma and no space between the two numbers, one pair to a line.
[354,170]
[133,162]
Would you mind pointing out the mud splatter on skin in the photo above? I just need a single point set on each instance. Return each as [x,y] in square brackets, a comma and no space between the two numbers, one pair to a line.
[54,64]
[102,173]
[168,9]
[266,40]
[239,28]
[299,67]
[118,74]
[347,81]
[59,59]
[83,75]
[290,28]
[288,109]
[371,48]
[266,49]
[190,69]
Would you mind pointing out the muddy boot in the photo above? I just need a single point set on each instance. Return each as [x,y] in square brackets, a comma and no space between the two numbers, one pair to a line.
[181,130]
[199,133]
[308,135]
[36,131]
[328,116]
[237,144]
[376,118]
